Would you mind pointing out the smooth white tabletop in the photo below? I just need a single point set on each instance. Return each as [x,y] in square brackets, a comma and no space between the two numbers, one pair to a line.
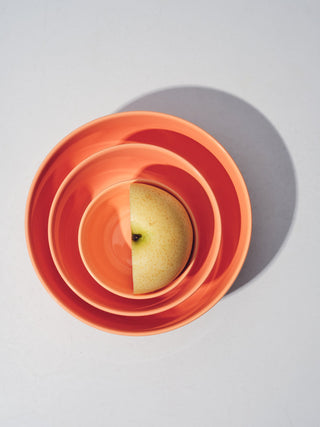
[247,72]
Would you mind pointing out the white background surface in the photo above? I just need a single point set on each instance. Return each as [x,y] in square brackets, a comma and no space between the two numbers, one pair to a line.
[253,360]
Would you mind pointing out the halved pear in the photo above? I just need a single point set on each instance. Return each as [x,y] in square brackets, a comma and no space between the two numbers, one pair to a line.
[162,237]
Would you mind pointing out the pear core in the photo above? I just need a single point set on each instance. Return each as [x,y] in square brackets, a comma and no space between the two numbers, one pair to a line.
[162,237]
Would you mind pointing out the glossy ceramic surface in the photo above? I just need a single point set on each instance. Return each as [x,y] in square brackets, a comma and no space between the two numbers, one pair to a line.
[181,137]
[108,167]
[104,239]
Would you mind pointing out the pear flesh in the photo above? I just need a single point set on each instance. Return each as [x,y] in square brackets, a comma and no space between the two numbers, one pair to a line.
[162,237]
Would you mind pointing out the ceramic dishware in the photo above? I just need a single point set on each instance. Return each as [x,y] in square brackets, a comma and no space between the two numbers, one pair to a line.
[106,168]
[179,136]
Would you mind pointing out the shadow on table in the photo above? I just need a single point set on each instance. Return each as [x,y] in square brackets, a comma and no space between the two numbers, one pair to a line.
[259,152]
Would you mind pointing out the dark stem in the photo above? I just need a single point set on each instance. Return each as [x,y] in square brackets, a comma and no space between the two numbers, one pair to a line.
[136,237]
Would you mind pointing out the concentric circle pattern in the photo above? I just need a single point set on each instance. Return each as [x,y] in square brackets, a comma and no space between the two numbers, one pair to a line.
[190,163]
[100,173]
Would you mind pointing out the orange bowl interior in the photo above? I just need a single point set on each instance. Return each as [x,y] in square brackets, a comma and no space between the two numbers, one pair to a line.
[105,239]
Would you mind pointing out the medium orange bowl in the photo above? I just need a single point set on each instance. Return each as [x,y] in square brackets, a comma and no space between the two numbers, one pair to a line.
[106,168]
[181,137]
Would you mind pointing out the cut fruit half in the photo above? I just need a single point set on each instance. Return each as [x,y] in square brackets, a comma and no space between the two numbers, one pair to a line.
[162,237]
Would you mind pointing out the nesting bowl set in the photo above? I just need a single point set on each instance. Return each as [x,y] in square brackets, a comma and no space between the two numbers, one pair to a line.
[78,220]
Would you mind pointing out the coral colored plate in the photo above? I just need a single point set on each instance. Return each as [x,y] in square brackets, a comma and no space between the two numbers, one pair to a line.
[106,168]
[181,137]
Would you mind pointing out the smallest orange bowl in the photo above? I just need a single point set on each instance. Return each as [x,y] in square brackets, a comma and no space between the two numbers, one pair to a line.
[105,241]
[128,162]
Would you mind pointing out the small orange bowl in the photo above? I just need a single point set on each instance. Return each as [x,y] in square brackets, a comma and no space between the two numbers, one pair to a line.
[129,162]
[105,241]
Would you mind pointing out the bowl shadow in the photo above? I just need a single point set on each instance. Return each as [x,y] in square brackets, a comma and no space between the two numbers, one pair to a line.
[259,151]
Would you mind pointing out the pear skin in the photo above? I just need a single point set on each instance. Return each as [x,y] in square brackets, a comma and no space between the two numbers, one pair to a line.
[162,237]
